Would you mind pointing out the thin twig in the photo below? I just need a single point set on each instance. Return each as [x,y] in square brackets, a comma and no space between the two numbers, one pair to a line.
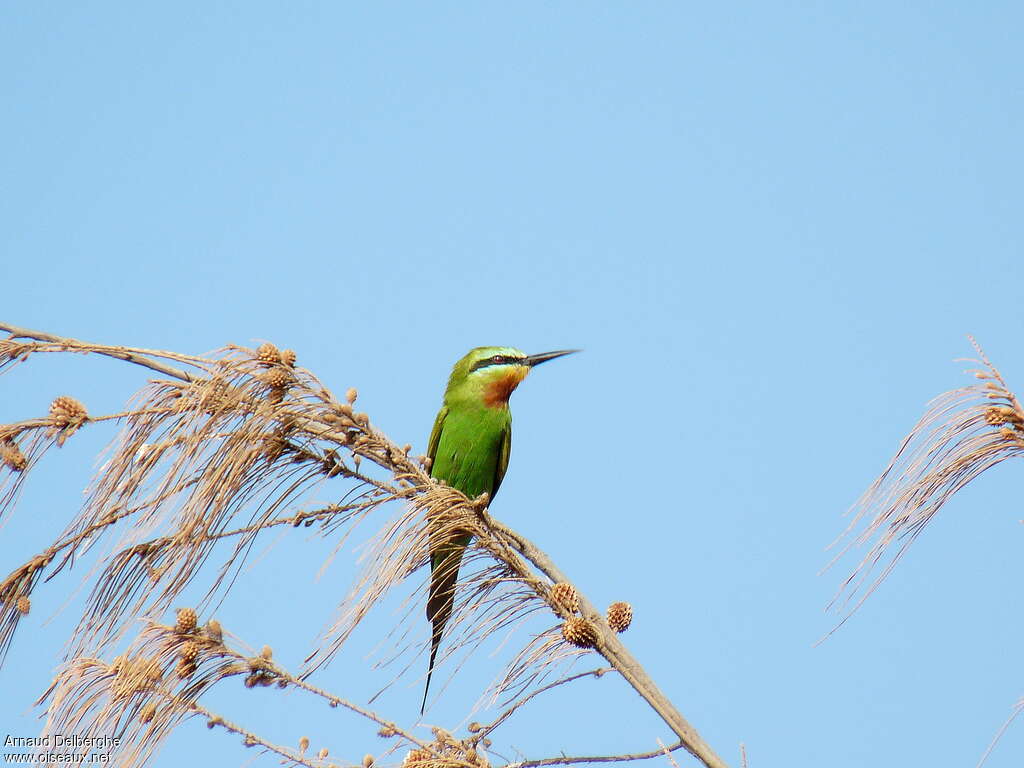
[597,759]
[561,681]
[999,734]
[130,354]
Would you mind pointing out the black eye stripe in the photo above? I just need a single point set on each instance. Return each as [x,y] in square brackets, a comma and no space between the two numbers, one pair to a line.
[496,360]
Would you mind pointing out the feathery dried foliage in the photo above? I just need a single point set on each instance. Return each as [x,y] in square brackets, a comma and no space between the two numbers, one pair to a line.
[496,590]
[963,433]
[210,458]
[147,691]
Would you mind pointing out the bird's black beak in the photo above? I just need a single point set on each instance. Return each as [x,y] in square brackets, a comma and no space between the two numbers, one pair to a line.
[543,357]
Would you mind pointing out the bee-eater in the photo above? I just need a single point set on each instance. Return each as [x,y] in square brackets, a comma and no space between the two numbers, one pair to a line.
[469,448]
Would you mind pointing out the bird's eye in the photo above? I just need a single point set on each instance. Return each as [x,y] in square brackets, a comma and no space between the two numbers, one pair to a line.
[498,359]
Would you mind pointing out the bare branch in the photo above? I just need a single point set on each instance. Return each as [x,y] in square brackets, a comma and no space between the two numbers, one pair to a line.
[141,357]
[599,759]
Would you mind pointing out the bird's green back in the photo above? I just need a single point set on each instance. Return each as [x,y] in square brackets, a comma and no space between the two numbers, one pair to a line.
[471,448]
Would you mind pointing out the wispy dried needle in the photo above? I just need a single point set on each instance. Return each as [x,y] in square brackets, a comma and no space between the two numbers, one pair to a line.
[963,433]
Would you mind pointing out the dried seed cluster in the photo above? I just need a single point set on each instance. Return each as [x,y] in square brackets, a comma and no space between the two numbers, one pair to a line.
[65,411]
[445,751]
[12,456]
[998,415]
[186,623]
[280,376]
[620,615]
[564,595]
[23,604]
[189,651]
[261,670]
[277,378]
[268,354]
[188,655]
[579,632]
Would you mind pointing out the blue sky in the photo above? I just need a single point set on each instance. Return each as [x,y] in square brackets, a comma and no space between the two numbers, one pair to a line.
[770,227]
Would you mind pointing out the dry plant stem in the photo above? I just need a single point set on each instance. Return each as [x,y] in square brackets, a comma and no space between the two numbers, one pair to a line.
[122,353]
[668,755]
[336,701]
[999,734]
[518,704]
[615,652]
[251,739]
[599,759]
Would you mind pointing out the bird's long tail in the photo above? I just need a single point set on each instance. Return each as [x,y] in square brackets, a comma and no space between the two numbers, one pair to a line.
[444,573]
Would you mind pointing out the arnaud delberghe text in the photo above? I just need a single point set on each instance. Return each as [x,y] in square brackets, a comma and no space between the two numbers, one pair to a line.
[57,740]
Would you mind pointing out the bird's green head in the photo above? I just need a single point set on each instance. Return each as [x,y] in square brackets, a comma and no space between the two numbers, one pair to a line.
[490,374]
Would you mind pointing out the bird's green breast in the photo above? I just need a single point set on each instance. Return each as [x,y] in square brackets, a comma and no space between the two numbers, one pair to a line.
[469,451]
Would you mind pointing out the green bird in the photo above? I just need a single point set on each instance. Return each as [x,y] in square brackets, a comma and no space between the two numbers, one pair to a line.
[469,448]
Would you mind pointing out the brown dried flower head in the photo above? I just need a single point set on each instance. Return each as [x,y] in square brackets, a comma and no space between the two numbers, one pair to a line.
[351,394]
[997,415]
[277,378]
[189,652]
[367,761]
[620,615]
[303,744]
[186,623]
[579,632]
[267,652]
[288,357]
[65,411]
[12,456]
[564,595]
[322,753]
[268,354]
[24,605]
